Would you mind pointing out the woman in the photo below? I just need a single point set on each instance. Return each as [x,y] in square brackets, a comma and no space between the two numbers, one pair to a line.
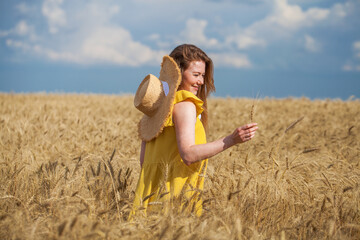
[174,150]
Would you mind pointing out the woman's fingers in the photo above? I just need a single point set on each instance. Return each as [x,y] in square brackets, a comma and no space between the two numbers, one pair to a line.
[246,132]
[250,135]
[247,126]
[251,130]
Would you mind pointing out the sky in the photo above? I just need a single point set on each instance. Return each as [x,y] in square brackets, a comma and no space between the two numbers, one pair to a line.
[260,48]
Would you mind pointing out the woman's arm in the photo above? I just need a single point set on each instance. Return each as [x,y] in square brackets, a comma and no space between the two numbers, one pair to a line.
[184,116]
[142,153]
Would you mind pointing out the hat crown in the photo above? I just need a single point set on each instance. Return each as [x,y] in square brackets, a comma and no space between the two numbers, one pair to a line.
[155,98]
[149,95]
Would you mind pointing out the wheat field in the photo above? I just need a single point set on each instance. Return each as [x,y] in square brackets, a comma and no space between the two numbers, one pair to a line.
[69,168]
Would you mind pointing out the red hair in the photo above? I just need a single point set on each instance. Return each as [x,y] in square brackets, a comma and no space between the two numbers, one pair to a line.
[186,53]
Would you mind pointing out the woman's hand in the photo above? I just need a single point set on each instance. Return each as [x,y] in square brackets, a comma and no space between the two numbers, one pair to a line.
[244,133]
[184,117]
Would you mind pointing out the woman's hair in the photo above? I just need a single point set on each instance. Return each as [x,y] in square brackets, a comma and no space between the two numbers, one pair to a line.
[186,53]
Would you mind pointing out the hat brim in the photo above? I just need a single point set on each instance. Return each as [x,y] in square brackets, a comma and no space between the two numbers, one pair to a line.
[151,127]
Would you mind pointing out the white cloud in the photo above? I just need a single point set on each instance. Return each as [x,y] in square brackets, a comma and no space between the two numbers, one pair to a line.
[244,41]
[4,33]
[42,51]
[93,38]
[292,17]
[154,37]
[284,20]
[356,45]
[116,45]
[339,10]
[347,68]
[311,44]
[114,9]
[286,15]
[55,15]
[194,32]
[230,60]
[354,64]
[22,28]
[97,13]
[92,31]
[100,43]
[158,41]
[109,45]
[23,8]
[17,44]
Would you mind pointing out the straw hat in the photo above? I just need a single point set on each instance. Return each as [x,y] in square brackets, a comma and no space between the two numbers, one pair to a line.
[155,98]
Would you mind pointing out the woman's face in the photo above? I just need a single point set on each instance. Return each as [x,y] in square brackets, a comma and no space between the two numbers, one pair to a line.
[193,77]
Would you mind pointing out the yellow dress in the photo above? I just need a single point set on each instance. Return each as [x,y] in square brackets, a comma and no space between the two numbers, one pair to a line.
[165,181]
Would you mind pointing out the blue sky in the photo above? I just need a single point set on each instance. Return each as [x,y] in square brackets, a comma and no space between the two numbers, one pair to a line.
[273,47]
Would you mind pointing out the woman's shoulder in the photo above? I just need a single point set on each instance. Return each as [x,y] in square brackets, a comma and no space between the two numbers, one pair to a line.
[183,95]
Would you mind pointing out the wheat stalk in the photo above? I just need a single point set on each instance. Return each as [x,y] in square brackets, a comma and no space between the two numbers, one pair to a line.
[293,124]
[46,200]
[111,172]
[310,150]
[252,112]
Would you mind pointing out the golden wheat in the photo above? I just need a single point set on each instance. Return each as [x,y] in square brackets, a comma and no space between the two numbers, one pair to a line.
[69,165]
